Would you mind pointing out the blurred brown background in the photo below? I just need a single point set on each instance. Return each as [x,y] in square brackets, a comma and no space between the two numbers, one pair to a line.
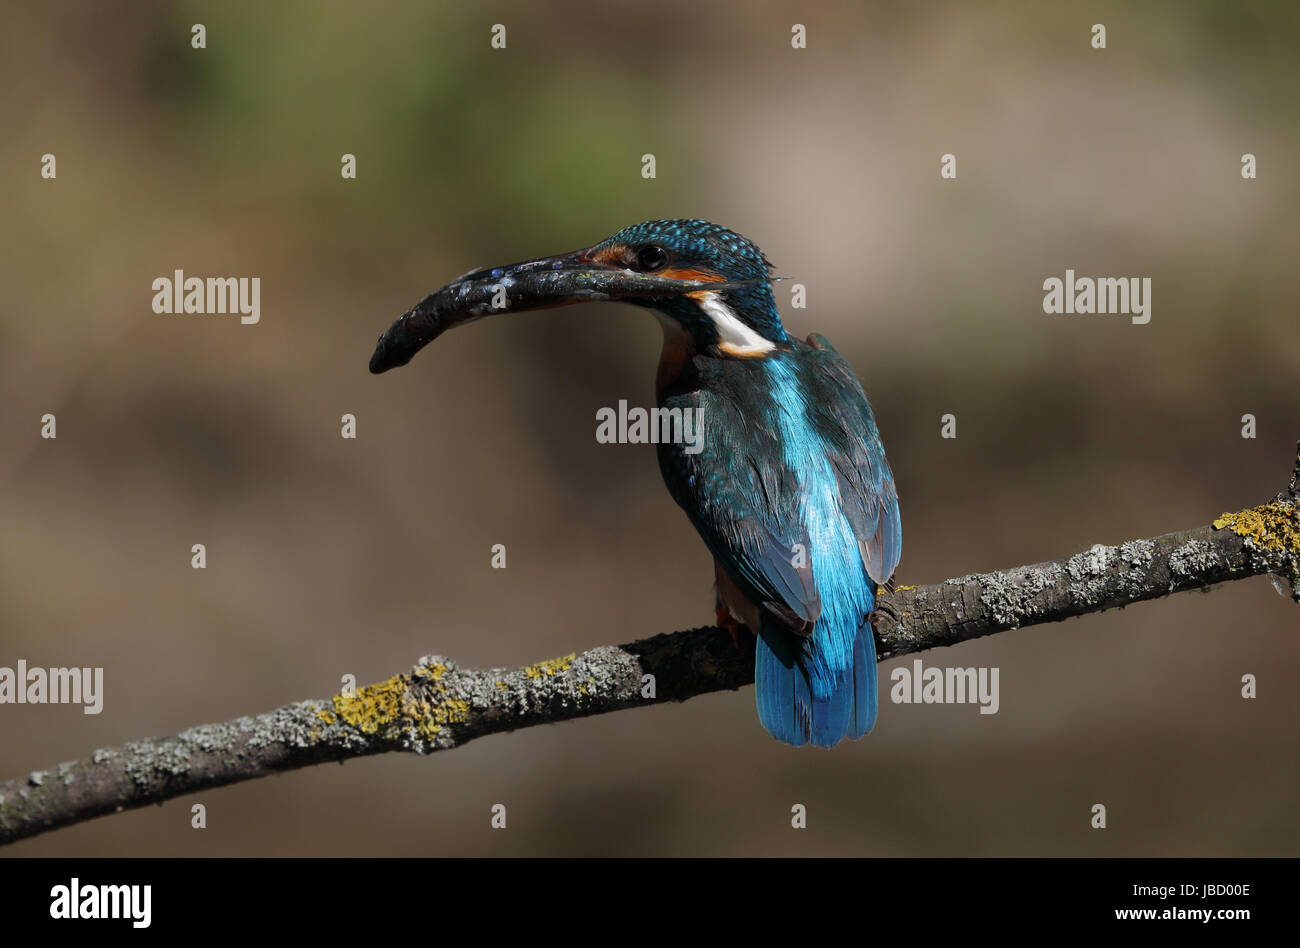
[328,557]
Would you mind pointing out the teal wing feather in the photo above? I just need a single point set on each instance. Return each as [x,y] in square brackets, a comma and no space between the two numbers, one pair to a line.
[744,503]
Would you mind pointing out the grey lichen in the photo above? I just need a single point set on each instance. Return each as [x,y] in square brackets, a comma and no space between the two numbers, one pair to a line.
[1191,559]
[1089,572]
[1137,552]
[295,725]
[213,738]
[150,762]
[1135,558]
[1091,563]
[1259,558]
[1009,597]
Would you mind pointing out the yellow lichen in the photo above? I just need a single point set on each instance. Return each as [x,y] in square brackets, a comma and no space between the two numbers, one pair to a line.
[433,672]
[390,706]
[550,667]
[1274,527]
[433,716]
[374,706]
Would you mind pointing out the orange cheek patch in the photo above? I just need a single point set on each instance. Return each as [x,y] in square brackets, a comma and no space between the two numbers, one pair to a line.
[612,256]
[699,296]
[687,273]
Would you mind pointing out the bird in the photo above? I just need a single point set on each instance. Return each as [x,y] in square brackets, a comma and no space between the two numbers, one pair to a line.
[788,488]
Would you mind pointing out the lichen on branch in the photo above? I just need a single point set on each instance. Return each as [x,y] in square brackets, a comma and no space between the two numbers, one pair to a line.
[437,705]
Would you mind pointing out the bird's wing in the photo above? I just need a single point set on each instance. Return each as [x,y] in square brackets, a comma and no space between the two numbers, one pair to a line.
[867,494]
[743,500]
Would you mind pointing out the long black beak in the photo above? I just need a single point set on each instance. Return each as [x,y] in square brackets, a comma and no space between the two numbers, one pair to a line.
[534,284]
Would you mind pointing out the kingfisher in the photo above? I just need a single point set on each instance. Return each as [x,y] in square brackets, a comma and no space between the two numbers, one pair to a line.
[788,488]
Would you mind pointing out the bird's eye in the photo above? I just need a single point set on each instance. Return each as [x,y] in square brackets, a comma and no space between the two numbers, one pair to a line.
[652,257]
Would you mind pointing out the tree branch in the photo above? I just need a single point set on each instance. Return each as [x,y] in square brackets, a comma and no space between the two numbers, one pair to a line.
[438,706]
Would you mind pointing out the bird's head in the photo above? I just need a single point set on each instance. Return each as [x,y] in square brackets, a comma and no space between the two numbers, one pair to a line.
[702,279]
[738,321]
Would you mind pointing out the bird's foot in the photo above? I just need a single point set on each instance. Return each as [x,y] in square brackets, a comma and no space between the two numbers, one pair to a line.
[885,615]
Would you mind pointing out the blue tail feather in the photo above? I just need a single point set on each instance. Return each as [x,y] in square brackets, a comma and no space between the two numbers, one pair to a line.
[782,692]
[787,704]
[865,677]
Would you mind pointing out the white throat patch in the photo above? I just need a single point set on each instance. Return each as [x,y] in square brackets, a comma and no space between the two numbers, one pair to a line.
[734,337]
